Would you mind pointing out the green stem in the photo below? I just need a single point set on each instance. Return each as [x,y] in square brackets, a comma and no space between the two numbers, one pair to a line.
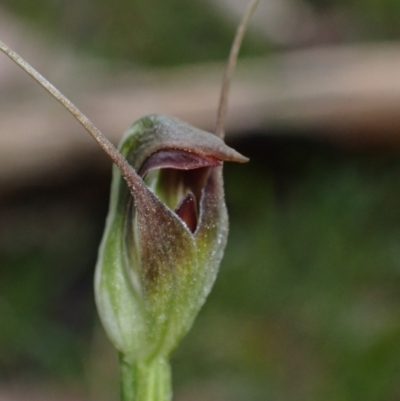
[145,380]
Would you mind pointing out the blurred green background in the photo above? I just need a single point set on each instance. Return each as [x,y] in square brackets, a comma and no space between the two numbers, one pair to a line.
[306,305]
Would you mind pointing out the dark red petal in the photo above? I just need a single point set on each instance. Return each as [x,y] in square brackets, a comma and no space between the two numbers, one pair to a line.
[187,211]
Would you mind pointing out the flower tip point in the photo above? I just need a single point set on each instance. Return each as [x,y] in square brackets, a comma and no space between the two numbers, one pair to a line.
[238,158]
[242,159]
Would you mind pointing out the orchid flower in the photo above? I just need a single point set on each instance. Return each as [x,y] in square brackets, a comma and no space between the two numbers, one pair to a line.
[163,242]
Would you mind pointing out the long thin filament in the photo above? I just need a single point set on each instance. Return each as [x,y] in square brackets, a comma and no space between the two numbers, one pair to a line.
[230,68]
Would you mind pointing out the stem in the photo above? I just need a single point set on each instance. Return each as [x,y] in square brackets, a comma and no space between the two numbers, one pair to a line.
[126,170]
[230,68]
[145,380]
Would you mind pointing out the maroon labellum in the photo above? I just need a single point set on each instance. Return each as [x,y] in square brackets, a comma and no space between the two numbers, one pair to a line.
[187,211]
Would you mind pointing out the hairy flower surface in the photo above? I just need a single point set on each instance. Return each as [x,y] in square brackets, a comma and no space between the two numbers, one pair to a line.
[165,235]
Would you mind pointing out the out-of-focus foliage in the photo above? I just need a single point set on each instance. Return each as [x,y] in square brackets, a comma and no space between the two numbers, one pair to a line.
[48,241]
[168,32]
[142,31]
